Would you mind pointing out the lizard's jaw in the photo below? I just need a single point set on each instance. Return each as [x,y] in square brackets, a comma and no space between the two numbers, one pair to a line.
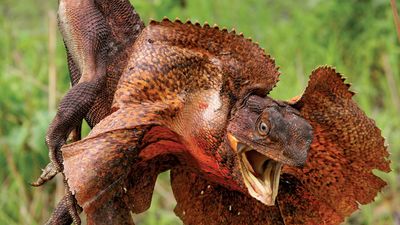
[260,174]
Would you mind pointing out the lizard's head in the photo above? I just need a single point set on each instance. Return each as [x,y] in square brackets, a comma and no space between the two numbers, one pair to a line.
[266,134]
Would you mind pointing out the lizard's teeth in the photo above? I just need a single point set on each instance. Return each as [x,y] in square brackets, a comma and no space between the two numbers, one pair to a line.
[233,142]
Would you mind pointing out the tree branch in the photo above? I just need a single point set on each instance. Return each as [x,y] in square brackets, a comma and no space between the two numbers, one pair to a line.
[396,17]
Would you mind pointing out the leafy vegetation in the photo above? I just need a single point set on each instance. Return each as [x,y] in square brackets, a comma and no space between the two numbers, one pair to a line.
[356,36]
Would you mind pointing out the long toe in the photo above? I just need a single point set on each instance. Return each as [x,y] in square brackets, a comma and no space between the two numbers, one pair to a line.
[47,174]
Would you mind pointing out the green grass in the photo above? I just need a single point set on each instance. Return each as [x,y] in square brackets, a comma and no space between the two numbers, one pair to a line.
[357,37]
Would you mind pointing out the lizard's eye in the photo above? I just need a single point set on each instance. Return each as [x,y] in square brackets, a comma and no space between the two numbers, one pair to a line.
[263,128]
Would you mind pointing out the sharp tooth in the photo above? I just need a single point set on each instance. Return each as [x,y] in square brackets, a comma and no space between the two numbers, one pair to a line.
[233,142]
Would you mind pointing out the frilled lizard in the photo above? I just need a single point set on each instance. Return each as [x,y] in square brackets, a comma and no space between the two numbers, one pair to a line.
[193,99]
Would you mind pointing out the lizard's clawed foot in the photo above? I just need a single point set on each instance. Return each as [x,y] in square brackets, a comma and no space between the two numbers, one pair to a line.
[48,173]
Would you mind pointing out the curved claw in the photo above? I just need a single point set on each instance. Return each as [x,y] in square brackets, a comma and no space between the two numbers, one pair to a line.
[48,173]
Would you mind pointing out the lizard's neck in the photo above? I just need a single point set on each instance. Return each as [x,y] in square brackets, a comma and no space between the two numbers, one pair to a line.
[197,137]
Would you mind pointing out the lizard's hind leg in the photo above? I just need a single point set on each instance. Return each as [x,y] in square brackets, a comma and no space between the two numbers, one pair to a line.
[73,107]
[86,35]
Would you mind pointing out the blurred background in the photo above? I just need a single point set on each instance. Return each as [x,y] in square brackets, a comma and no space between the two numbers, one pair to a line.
[357,37]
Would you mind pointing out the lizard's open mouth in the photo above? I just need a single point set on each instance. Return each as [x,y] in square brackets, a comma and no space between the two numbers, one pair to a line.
[260,173]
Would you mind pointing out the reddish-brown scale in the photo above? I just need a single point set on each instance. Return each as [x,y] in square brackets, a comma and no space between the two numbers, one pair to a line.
[173,68]
[204,202]
[181,90]
[347,146]
[96,34]
[161,57]
[337,176]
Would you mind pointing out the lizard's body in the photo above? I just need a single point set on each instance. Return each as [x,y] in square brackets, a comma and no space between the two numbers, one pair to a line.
[193,99]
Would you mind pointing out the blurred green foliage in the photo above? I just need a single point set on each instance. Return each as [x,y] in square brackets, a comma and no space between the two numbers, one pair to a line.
[356,36]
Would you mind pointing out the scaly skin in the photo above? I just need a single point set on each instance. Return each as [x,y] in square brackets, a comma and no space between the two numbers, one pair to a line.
[97,35]
[184,90]
[125,168]
[201,76]
[336,177]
